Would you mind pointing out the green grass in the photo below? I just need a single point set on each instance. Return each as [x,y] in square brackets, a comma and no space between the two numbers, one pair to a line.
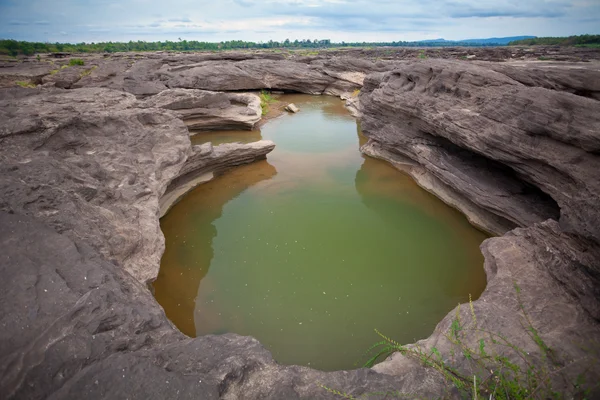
[422,55]
[76,61]
[26,84]
[511,373]
[265,99]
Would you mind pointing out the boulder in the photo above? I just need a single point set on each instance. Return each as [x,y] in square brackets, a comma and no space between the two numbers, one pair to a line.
[292,108]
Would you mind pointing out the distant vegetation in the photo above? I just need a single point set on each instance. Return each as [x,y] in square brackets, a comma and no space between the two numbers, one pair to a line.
[14,47]
[581,40]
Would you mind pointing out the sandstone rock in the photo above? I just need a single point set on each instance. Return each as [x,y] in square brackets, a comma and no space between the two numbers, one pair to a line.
[92,165]
[205,110]
[577,78]
[82,172]
[292,108]
[65,78]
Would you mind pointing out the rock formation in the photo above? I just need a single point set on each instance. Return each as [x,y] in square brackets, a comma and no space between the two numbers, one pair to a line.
[84,172]
[203,110]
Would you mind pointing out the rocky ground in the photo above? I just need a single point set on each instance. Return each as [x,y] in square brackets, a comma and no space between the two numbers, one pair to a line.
[92,155]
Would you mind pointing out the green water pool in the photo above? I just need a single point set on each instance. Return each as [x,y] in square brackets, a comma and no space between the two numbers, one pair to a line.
[312,249]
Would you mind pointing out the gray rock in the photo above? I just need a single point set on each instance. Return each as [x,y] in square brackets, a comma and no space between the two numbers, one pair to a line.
[91,164]
[203,110]
[292,108]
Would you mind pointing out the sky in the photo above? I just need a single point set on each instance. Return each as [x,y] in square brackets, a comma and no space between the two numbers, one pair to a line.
[263,20]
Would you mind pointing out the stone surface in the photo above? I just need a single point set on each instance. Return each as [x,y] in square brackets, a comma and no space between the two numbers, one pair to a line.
[204,110]
[506,154]
[292,108]
[92,165]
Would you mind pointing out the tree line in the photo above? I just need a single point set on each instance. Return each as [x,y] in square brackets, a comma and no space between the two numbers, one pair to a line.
[580,40]
[14,47]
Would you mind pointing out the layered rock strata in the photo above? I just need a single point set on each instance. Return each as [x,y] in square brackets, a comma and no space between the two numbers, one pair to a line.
[203,110]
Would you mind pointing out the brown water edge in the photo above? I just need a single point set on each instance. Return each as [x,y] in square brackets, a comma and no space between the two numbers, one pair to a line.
[176,295]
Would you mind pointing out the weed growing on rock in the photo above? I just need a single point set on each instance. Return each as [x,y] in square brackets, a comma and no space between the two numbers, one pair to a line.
[265,100]
[26,84]
[495,368]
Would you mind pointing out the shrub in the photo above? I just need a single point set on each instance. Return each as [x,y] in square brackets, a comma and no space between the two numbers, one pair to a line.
[76,61]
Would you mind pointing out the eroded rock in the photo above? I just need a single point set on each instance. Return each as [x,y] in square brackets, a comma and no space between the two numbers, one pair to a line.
[204,110]
[524,154]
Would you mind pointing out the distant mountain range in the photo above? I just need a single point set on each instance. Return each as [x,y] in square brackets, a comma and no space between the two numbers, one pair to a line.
[488,41]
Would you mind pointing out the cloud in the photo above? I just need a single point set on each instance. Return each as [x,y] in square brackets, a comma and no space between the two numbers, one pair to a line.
[347,20]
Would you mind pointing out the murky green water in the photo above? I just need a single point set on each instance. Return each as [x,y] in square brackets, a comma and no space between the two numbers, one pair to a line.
[312,249]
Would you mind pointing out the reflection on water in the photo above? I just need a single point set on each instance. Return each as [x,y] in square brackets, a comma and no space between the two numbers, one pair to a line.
[220,137]
[312,250]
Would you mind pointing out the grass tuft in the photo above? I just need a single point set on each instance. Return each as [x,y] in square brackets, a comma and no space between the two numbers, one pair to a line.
[265,99]
[76,61]
[26,84]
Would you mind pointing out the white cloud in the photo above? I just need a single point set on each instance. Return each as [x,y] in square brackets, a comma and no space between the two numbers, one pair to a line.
[338,20]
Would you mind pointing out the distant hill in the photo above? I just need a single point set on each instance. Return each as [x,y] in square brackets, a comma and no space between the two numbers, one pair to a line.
[488,41]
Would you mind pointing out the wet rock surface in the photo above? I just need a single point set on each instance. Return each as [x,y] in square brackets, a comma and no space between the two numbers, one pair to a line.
[83,173]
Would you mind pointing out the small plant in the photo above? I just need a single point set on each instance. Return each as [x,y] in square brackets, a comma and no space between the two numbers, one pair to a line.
[76,61]
[542,58]
[265,99]
[26,84]
[422,55]
[38,57]
[356,93]
[488,373]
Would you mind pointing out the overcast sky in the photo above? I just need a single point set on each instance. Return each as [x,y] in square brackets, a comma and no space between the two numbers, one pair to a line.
[262,20]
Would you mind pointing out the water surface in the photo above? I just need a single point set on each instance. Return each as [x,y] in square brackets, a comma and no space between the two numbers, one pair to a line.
[312,249]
